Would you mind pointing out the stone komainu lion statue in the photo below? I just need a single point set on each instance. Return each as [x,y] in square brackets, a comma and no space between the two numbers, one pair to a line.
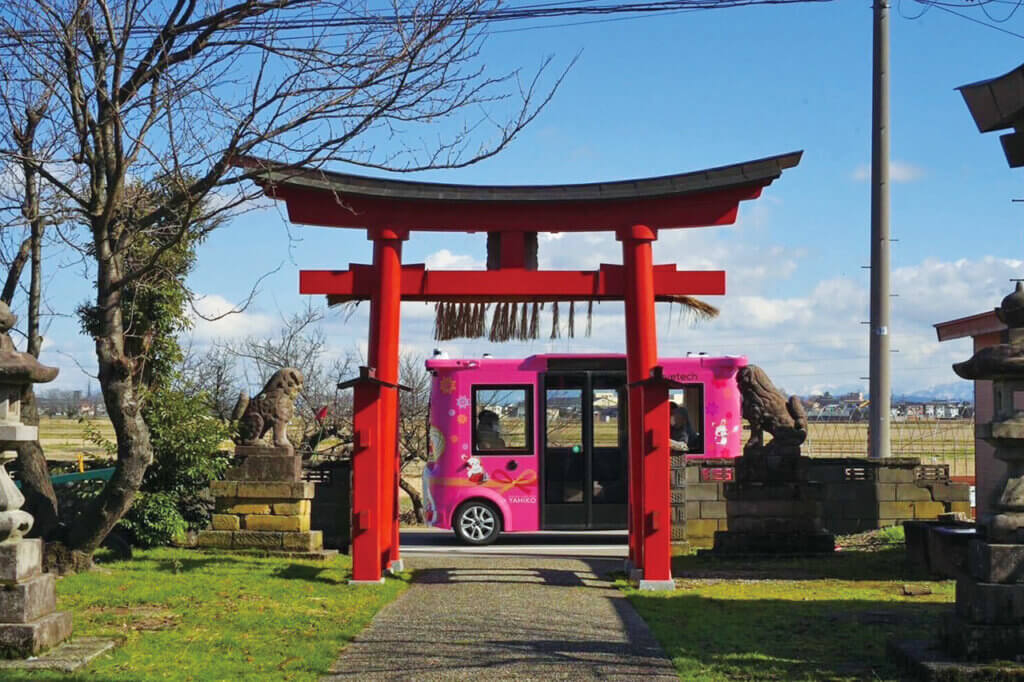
[767,409]
[271,409]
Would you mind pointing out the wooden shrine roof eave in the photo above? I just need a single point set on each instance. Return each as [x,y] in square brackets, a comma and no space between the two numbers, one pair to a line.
[970,326]
[759,172]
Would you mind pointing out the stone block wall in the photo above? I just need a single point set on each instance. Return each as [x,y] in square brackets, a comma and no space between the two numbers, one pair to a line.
[332,502]
[272,516]
[852,495]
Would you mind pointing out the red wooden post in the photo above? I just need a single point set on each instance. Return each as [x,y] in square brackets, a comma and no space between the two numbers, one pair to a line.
[382,355]
[365,484]
[657,525]
[650,546]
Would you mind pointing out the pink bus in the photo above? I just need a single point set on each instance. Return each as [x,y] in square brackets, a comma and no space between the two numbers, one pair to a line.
[540,443]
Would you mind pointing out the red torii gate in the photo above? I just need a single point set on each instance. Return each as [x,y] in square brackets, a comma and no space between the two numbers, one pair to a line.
[634,210]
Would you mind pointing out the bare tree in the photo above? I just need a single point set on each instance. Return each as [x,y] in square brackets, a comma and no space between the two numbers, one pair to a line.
[213,373]
[300,342]
[323,413]
[167,95]
[413,424]
[27,209]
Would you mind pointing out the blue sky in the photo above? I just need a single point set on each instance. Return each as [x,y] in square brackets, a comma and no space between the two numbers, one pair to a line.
[680,92]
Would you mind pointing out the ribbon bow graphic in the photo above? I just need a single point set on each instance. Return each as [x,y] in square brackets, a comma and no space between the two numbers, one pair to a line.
[524,482]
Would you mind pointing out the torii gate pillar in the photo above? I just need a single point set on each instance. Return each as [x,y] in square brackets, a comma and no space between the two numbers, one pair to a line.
[375,467]
[649,496]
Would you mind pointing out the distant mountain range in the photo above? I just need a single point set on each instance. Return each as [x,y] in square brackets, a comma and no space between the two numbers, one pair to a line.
[956,391]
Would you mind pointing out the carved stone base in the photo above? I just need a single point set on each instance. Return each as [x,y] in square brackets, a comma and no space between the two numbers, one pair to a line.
[980,641]
[995,563]
[925,660]
[20,640]
[264,467]
[299,541]
[732,542]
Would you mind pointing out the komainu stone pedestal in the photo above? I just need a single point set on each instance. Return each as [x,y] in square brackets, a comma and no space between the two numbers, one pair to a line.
[772,508]
[29,621]
[264,505]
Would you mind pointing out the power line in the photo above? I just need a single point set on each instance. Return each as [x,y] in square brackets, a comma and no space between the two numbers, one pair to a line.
[516,13]
[948,8]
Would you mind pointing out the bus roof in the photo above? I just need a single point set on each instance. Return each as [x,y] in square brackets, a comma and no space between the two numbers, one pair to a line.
[542,361]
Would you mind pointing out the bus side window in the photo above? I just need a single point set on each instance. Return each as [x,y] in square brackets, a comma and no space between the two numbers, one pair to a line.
[501,419]
[686,419]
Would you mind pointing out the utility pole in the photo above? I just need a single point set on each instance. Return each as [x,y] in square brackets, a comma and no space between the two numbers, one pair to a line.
[879,383]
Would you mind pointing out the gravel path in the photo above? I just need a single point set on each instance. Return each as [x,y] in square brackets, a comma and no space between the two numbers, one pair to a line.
[507,617]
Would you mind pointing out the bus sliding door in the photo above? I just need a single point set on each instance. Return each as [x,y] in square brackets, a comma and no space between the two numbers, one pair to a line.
[584,451]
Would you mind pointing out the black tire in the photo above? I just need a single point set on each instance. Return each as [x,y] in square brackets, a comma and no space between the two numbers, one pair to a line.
[477,522]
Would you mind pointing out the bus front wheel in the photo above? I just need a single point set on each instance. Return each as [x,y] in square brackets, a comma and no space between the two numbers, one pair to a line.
[477,523]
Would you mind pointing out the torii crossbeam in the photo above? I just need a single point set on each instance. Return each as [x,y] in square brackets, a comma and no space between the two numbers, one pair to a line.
[634,210]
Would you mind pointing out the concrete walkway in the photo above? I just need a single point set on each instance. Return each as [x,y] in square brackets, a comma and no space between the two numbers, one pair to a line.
[506,617]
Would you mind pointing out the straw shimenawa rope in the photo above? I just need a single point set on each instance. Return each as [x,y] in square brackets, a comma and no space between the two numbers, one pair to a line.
[520,321]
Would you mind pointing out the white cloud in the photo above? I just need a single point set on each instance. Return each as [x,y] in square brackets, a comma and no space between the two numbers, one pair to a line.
[230,326]
[899,171]
[446,260]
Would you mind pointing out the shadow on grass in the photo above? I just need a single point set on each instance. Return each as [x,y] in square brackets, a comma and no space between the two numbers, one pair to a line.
[783,639]
[884,564]
[187,564]
[307,573]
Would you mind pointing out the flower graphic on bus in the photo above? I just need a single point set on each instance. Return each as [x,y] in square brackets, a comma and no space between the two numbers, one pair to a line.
[448,385]
[462,402]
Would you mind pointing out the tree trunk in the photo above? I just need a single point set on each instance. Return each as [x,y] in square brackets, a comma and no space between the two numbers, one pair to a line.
[414,495]
[134,449]
[40,498]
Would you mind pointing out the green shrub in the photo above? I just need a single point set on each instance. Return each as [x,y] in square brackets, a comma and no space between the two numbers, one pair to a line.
[893,535]
[173,498]
[186,451]
[154,520]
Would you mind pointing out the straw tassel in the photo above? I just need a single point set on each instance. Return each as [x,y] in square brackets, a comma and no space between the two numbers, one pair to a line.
[499,323]
[523,323]
[555,331]
[590,316]
[513,321]
[572,319]
[535,321]
[698,309]
[495,321]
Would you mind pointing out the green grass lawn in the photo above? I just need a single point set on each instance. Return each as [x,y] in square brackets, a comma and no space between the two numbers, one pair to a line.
[806,619]
[185,615]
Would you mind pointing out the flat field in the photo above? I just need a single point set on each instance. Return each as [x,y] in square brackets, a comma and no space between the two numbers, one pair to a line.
[64,439]
[935,441]
[938,441]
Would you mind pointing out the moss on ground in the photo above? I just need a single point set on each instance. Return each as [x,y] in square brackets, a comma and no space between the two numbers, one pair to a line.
[792,619]
[186,615]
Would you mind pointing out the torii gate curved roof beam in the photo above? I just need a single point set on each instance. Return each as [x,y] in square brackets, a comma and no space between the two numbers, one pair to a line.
[695,199]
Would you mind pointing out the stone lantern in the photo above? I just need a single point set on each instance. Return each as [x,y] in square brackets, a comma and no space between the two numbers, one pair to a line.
[988,622]
[29,622]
